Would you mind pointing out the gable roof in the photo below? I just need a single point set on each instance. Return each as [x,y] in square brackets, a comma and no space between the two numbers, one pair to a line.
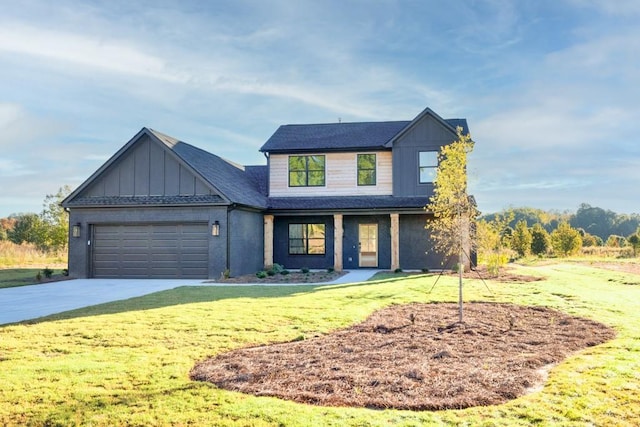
[228,178]
[225,178]
[332,136]
[347,136]
[450,124]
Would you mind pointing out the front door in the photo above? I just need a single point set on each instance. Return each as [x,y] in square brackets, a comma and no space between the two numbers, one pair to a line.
[368,245]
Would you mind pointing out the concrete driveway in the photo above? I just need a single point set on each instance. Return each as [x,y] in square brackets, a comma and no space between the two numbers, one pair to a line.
[30,302]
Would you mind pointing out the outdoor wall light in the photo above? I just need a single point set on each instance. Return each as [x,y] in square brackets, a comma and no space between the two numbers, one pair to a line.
[75,230]
[215,228]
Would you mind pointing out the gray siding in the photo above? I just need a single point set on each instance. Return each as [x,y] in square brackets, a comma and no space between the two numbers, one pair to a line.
[80,248]
[246,245]
[148,169]
[416,249]
[428,134]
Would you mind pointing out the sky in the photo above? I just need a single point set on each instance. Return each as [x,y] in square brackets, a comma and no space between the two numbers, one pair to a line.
[550,88]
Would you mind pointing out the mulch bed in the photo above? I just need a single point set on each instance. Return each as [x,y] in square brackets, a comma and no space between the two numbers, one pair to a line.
[413,356]
[292,277]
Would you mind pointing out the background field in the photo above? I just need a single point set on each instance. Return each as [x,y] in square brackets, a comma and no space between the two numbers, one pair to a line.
[127,363]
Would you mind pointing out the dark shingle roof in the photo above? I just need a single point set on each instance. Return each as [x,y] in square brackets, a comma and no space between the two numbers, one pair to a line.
[340,136]
[146,200]
[260,175]
[348,202]
[333,136]
[227,177]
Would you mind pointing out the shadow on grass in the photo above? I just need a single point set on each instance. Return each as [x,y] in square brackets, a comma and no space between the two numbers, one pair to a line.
[198,294]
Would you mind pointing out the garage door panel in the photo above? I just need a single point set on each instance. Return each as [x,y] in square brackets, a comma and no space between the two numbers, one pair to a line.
[151,251]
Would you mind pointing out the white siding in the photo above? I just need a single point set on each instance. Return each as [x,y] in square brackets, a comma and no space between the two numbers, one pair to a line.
[341,177]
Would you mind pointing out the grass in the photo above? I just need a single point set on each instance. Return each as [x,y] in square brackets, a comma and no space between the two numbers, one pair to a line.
[127,363]
[10,277]
[28,255]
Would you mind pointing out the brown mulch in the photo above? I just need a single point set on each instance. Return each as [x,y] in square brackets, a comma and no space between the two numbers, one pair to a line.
[292,277]
[413,356]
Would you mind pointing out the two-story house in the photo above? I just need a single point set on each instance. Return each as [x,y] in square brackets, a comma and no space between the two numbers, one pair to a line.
[341,195]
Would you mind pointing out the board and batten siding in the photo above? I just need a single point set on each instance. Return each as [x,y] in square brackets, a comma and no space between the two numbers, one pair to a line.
[147,170]
[341,176]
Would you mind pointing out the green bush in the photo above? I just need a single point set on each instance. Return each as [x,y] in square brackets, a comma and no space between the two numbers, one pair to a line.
[284,272]
[47,272]
[261,274]
[304,270]
[330,270]
[397,270]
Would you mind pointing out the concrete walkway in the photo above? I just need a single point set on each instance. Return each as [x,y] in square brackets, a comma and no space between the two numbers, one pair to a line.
[30,302]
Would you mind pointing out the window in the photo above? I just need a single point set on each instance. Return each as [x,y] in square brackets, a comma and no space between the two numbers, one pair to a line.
[366,169]
[428,164]
[306,171]
[306,239]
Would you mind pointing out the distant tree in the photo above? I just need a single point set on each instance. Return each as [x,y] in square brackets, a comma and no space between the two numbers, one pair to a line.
[453,210]
[566,240]
[615,241]
[6,225]
[589,240]
[28,228]
[493,241]
[540,240]
[521,239]
[634,241]
[56,219]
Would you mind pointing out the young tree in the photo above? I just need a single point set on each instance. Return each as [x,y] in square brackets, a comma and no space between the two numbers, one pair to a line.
[540,240]
[493,240]
[521,239]
[634,241]
[56,219]
[453,210]
[566,240]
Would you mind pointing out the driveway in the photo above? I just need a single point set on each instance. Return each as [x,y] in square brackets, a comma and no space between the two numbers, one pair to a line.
[30,302]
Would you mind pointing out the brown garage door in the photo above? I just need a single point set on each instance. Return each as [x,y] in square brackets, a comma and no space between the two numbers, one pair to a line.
[157,251]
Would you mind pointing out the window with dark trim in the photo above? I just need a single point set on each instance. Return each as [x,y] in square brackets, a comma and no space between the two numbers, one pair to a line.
[306,171]
[306,239]
[366,169]
[428,163]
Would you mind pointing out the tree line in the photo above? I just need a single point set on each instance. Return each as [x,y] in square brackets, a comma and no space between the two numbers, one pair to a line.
[520,232]
[48,230]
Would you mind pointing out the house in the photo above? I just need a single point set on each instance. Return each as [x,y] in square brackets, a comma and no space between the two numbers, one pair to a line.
[339,195]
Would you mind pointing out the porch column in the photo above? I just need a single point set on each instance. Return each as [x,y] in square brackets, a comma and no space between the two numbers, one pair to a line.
[395,241]
[337,242]
[268,241]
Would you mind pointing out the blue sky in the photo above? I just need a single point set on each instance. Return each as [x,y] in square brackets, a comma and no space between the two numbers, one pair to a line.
[550,89]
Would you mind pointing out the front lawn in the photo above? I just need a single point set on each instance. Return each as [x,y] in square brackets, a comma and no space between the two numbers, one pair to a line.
[128,363]
[10,277]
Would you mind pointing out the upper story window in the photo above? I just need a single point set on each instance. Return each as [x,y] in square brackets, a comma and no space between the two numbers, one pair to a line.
[306,239]
[428,162]
[366,169]
[306,171]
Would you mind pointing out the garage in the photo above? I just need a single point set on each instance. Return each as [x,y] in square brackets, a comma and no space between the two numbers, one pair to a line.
[142,251]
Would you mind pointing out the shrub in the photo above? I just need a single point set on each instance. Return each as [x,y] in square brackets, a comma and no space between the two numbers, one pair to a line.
[284,272]
[261,274]
[397,270]
[47,272]
[304,270]
[425,270]
[271,272]
[330,270]
[39,276]
[65,272]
